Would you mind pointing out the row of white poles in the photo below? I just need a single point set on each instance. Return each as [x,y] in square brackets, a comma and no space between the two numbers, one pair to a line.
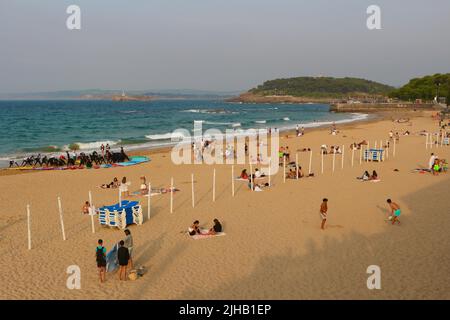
[439,139]
[91,211]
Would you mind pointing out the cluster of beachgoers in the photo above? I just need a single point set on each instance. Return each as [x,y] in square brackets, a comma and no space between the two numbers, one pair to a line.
[119,254]
[72,159]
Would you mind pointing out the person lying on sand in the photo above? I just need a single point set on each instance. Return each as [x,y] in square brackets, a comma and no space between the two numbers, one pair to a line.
[260,187]
[259,174]
[112,185]
[395,211]
[291,174]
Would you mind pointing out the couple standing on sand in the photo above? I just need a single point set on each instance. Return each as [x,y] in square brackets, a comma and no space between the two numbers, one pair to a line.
[395,212]
[124,254]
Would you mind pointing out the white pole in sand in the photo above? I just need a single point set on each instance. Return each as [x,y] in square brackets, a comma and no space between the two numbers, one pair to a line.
[270,171]
[368,151]
[343,154]
[91,212]
[214,185]
[310,161]
[387,150]
[353,155]
[334,158]
[426,141]
[296,165]
[442,139]
[431,140]
[149,200]
[232,181]
[61,218]
[171,195]
[29,226]
[120,197]
[375,144]
[251,175]
[192,190]
[393,153]
[360,154]
[321,152]
[284,169]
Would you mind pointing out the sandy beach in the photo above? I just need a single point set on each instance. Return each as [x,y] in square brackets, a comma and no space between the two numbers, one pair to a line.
[273,247]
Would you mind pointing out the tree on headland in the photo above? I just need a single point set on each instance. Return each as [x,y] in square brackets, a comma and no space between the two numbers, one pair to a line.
[321,87]
[425,88]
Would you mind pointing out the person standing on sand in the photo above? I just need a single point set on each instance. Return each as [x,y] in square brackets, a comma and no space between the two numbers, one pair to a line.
[123,256]
[431,161]
[395,211]
[100,255]
[323,212]
[128,243]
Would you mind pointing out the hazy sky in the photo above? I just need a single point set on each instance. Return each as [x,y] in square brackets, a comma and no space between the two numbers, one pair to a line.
[216,44]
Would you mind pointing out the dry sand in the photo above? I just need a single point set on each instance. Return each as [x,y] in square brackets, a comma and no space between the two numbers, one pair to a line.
[274,248]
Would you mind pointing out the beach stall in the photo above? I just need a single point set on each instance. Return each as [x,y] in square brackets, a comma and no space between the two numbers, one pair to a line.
[119,216]
[374,155]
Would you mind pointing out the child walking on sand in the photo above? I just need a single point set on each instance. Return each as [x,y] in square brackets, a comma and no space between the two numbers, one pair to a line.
[395,211]
[323,212]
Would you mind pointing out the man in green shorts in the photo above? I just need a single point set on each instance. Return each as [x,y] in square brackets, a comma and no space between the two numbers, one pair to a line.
[395,211]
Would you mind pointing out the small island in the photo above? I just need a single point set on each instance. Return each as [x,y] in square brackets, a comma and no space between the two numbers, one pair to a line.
[124,97]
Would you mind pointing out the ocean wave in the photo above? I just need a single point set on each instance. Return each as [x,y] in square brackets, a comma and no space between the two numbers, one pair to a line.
[165,136]
[210,111]
[260,121]
[286,119]
[93,145]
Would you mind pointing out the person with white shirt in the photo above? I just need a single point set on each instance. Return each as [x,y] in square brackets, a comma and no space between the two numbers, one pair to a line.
[433,157]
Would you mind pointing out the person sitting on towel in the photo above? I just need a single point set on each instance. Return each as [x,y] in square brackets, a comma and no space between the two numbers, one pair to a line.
[86,208]
[194,229]
[374,175]
[244,174]
[365,176]
[144,187]
[217,227]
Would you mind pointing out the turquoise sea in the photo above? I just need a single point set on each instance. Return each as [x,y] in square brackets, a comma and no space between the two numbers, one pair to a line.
[50,126]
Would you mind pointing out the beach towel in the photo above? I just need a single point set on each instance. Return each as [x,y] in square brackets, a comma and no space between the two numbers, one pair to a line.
[206,236]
